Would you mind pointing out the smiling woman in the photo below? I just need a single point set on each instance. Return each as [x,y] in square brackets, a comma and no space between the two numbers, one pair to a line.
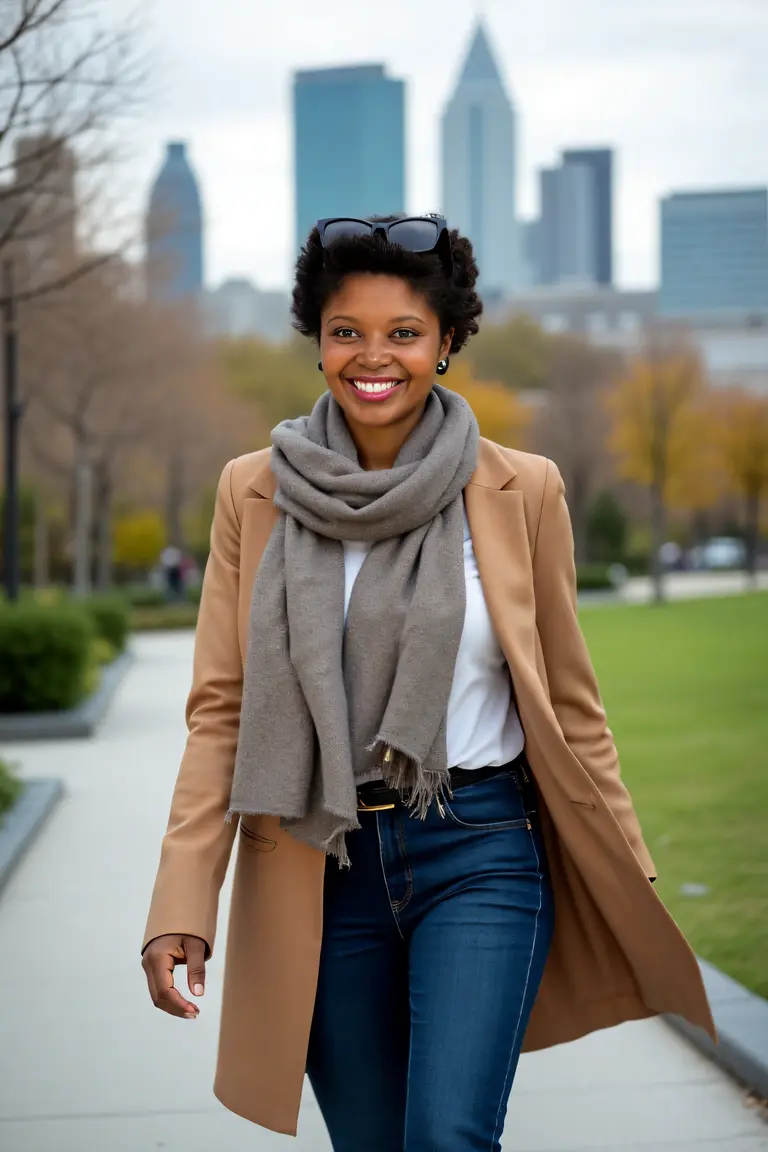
[388,630]
[386,320]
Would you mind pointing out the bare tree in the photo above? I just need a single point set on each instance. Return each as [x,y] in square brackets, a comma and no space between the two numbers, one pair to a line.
[572,425]
[67,84]
[201,420]
[88,357]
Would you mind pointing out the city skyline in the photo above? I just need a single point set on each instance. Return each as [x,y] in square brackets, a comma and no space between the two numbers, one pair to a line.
[349,131]
[478,160]
[175,229]
[660,87]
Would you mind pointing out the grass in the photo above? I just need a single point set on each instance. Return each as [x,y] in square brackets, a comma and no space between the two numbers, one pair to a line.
[685,686]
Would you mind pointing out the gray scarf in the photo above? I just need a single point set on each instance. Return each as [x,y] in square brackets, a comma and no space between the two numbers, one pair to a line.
[327,707]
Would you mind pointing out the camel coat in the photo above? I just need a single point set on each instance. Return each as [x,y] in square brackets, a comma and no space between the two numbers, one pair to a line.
[616,953]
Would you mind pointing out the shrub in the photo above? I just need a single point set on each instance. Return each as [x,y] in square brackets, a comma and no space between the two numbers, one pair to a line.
[143,595]
[45,656]
[637,563]
[102,652]
[593,577]
[171,617]
[192,594]
[606,530]
[10,786]
[111,616]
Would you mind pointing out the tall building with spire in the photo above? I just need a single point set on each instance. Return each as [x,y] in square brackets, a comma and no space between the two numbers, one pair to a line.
[479,167]
[174,231]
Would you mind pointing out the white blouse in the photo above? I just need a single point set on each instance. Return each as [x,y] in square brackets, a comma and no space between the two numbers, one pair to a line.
[483,726]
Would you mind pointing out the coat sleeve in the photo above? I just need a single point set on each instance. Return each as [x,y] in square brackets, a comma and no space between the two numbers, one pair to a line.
[198,842]
[572,682]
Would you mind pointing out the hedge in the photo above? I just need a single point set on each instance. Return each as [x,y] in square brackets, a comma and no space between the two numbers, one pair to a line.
[143,596]
[45,656]
[111,617]
[170,617]
[593,577]
[10,787]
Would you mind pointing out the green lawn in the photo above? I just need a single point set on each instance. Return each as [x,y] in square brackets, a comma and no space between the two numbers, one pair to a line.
[685,686]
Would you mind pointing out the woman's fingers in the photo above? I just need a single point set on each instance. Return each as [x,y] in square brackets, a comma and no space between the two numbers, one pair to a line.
[159,961]
[194,949]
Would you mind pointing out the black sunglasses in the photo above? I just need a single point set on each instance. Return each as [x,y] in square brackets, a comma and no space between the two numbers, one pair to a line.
[414,233]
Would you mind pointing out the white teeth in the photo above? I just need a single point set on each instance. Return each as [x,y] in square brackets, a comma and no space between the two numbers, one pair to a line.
[366,386]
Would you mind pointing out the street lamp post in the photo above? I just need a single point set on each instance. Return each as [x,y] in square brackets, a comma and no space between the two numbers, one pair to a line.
[12,411]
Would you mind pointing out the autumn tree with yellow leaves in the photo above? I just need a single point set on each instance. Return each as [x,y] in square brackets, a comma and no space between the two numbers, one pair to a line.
[740,427]
[662,435]
[499,412]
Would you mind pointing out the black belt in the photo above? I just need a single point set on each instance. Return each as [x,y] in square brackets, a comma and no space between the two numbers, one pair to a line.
[376,796]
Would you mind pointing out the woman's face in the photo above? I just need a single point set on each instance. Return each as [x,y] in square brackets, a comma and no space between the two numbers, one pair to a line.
[380,344]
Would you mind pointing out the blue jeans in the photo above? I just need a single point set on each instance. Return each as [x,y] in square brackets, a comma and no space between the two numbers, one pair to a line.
[434,945]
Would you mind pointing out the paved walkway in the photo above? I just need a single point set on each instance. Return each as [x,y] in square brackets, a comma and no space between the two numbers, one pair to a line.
[694,585]
[86,1063]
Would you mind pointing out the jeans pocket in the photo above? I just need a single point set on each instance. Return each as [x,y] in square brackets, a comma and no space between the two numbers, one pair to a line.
[496,804]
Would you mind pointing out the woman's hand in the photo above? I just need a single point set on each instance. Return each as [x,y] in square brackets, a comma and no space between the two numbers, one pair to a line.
[159,960]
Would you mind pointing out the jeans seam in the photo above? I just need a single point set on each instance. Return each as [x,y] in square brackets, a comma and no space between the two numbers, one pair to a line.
[384,877]
[494,1138]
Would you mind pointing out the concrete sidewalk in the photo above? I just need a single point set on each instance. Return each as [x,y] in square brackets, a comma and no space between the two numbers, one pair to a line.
[86,1063]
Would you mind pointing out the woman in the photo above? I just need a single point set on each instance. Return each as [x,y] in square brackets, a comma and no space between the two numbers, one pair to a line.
[438,862]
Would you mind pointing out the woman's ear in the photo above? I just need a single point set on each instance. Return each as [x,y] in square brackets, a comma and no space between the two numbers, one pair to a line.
[445,346]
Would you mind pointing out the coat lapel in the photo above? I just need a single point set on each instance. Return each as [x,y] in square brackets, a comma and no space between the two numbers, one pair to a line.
[496,516]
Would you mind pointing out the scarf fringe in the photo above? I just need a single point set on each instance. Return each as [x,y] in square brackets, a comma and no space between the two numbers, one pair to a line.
[338,847]
[406,774]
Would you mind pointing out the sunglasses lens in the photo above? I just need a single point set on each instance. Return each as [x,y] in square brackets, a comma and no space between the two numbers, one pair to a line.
[339,229]
[414,235]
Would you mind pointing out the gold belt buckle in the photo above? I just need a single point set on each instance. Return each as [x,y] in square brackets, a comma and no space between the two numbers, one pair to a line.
[363,807]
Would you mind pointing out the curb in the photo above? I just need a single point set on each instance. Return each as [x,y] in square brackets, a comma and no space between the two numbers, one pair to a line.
[741,1019]
[21,824]
[74,723]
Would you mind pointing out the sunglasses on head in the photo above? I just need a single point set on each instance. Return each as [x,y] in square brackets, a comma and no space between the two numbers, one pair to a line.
[414,233]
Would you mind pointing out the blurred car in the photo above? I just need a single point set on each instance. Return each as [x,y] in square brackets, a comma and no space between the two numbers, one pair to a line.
[720,554]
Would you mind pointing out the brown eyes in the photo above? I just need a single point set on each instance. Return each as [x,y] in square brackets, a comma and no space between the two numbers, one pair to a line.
[399,333]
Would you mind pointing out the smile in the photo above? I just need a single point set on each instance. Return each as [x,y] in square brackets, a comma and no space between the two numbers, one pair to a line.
[375,389]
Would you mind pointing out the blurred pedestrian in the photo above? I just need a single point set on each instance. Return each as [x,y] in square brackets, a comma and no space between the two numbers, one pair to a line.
[171,563]
[438,861]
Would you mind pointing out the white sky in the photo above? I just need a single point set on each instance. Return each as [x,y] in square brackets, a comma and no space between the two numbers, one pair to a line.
[680,87]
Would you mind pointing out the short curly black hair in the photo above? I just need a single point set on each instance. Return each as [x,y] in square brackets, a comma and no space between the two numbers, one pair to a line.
[321,271]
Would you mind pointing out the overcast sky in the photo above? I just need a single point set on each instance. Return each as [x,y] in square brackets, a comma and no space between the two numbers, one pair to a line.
[679,87]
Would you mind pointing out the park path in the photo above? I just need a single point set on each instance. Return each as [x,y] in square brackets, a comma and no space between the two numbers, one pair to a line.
[86,1063]
[694,586]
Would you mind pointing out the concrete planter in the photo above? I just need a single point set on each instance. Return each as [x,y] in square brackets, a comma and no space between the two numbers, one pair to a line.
[74,723]
[741,1019]
[21,824]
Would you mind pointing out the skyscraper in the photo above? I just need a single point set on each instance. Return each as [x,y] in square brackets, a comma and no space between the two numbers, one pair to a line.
[599,161]
[174,230]
[479,167]
[714,253]
[45,171]
[576,226]
[349,144]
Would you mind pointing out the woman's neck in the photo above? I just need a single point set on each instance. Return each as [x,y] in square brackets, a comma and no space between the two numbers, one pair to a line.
[378,448]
